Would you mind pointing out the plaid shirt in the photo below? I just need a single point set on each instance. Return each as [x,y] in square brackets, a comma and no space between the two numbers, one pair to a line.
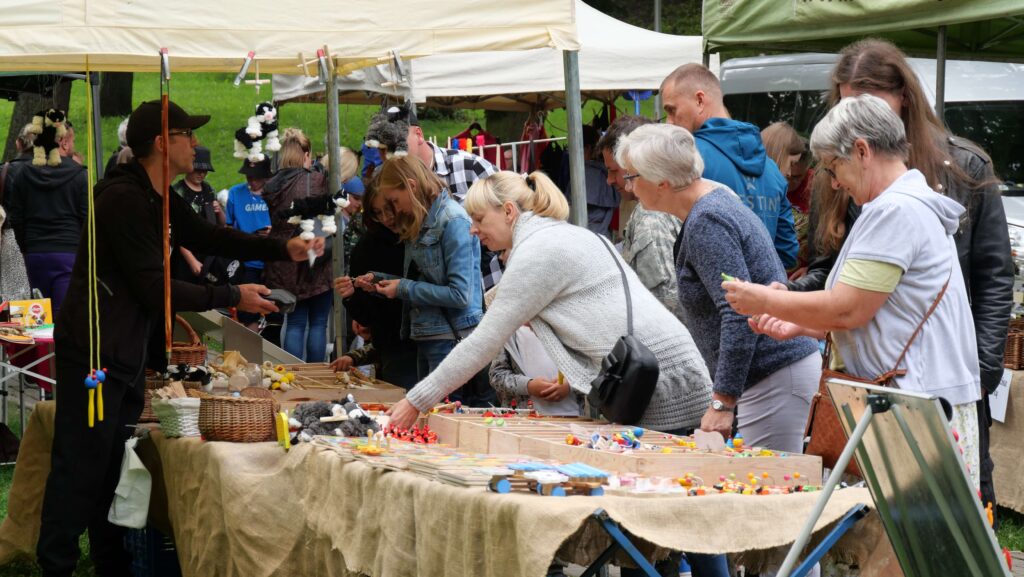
[460,169]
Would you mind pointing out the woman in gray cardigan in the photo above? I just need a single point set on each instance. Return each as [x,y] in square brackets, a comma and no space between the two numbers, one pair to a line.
[561,279]
[769,383]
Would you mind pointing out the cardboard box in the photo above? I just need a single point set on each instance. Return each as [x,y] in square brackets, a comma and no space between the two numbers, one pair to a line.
[31,314]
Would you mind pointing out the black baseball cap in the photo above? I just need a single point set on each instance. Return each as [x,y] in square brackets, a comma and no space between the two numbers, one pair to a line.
[145,123]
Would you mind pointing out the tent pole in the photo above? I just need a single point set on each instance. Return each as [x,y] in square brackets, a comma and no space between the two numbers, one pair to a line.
[94,85]
[574,124]
[333,185]
[940,76]
[706,59]
[657,28]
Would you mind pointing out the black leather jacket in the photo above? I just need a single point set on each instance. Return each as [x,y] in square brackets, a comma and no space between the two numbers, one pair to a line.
[983,245]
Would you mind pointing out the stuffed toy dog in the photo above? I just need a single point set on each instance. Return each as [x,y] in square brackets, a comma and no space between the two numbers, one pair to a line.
[261,126]
[49,128]
[343,419]
[390,130]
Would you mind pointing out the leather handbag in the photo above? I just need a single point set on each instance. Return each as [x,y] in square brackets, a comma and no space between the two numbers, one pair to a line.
[825,433]
[624,386]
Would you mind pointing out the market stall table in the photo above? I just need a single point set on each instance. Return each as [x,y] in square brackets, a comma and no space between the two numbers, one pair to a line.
[20,361]
[1007,450]
[254,510]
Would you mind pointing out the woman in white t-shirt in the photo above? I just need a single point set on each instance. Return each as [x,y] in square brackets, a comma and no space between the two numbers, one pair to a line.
[899,258]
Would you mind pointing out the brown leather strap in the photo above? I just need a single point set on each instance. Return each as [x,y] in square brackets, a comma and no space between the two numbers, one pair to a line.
[896,370]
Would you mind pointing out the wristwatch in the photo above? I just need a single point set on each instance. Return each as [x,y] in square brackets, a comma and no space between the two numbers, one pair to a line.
[720,406]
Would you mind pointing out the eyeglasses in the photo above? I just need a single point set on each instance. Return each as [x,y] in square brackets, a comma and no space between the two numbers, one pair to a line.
[828,170]
[186,133]
[629,178]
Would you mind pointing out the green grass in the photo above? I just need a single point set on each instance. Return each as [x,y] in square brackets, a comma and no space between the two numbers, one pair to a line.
[229,108]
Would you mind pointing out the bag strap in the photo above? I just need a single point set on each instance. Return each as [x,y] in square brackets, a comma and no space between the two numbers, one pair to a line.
[625,284]
[896,370]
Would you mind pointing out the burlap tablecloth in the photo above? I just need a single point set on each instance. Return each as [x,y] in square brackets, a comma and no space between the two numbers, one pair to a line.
[1008,450]
[253,510]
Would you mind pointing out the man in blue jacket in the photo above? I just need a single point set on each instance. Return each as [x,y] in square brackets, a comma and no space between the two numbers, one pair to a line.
[732,151]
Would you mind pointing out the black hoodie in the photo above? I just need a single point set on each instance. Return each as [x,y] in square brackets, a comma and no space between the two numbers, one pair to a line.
[48,206]
[131,278]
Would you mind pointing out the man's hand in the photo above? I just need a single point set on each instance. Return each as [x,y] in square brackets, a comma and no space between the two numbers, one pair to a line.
[341,364]
[298,249]
[344,286]
[252,300]
[388,288]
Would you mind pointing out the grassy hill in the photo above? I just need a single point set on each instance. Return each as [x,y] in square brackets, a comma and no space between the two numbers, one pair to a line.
[229,107]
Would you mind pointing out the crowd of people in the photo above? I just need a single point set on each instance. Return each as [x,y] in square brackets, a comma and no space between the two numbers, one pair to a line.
[882,234]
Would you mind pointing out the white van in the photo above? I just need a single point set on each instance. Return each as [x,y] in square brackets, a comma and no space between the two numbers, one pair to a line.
[984,101]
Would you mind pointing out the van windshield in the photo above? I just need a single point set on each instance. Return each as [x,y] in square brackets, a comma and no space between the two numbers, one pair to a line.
[997,126]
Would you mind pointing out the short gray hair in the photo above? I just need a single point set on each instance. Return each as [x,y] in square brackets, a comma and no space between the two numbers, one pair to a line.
[661,153]
[864,117]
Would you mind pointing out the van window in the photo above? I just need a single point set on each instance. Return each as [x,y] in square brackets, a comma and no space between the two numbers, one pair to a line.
[801,109]
[998,127]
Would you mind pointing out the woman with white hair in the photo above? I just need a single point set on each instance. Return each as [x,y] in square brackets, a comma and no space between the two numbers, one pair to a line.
[769,384]
[898,266]
[562,279]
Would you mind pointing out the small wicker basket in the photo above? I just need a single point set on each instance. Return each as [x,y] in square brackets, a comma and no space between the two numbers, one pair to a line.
[237,419]
[1013,358]
[178,417]
[192,353]
[153,381]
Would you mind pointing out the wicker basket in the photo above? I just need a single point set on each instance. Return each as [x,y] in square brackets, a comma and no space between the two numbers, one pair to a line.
[237,419]
[1013,358]
[153,381]
[178,417]
[192,353]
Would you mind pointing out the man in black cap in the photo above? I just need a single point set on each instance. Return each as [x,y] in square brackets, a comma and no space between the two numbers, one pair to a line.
[129,268]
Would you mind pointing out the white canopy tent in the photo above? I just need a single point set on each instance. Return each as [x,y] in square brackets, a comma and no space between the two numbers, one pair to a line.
[614,57]
[205,36]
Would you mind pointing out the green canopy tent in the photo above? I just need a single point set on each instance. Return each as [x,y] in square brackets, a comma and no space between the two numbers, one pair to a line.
[963,29]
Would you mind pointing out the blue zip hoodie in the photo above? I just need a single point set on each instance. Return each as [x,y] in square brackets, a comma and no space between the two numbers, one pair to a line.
[734,156]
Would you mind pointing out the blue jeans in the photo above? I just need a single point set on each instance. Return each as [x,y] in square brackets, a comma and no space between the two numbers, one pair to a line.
[477,392]
[305,331]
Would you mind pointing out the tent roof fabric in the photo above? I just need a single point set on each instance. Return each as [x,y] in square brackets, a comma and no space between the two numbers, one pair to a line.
[215,36]
[614,57]
[989,30]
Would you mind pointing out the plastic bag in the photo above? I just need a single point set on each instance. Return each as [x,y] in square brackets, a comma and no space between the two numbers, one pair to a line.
[131,497]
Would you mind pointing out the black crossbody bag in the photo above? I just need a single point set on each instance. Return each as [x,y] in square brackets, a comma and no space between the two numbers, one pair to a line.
[624,386]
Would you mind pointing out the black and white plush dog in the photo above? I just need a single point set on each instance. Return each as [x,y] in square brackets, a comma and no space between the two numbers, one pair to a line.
[262,126]
[389,130]
[49,127]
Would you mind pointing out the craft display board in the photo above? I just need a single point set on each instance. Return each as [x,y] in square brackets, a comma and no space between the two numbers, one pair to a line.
[546,439]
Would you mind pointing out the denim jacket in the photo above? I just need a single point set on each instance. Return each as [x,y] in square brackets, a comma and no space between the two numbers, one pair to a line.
[448,259]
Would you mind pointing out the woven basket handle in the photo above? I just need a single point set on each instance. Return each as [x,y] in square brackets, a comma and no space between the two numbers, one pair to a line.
[193,337]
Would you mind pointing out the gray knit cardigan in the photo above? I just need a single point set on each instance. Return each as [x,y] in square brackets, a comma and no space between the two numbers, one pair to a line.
[563,282]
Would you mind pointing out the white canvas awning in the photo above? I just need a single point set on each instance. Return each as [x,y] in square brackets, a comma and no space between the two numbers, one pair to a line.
[215,36]
[614,57]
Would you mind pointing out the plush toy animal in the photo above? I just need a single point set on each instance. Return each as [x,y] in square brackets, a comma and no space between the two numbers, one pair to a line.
[390,130]
[323,418]
[262,126]
[49,128]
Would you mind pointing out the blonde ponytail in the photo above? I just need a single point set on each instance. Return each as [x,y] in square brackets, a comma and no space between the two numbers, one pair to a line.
[535,193]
